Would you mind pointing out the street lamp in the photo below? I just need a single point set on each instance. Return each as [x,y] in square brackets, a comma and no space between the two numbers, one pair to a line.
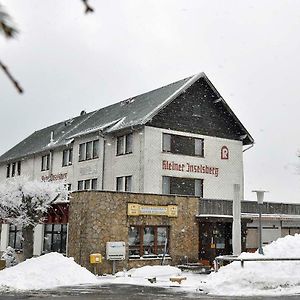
[260,200]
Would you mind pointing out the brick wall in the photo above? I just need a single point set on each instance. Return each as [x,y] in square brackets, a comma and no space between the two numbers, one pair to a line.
[97,217]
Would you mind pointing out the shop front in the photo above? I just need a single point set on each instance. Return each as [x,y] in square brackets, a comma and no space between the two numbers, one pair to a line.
[215,237]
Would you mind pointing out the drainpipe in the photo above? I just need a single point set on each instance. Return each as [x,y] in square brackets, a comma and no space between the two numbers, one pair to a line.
[248,148]
[103,163]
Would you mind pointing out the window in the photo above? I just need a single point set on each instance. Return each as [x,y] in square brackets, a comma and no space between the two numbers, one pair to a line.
[88,184]
[148,241]
[55,237]
[124,184]
[15,237]
[13,169]
[8,170]
[45,162]
[182,186]
[184,145]
[89,150]
[124,144]
[67,157]
[19,168]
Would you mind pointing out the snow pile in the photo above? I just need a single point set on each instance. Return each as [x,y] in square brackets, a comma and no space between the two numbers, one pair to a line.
[154,271]
[45,272]
[144,276]
[260,278]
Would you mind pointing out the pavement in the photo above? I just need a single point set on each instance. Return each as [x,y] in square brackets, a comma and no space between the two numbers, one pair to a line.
[123,292]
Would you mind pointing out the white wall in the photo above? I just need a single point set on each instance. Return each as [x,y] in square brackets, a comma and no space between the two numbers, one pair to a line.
[220,187]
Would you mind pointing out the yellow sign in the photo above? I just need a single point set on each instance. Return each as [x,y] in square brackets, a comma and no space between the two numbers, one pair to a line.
[95,258]
[152,210]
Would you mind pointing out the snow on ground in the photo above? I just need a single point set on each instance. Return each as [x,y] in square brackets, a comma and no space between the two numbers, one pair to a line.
[45,272]
[256,278]
[260,278]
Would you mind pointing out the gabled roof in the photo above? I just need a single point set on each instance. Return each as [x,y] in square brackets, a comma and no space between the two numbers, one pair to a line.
[132,112]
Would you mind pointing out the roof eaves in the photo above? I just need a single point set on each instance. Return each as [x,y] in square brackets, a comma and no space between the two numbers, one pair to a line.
[230,111]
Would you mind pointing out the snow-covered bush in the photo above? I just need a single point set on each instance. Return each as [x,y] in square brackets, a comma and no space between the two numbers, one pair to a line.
[10,257]
[24,203]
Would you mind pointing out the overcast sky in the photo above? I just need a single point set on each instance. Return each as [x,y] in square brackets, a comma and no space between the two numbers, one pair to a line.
[67,61]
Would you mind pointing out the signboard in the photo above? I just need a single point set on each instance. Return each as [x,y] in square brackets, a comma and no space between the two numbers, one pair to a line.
[54,177]
[190,168]
[152,210]
[224,153]
[115,250]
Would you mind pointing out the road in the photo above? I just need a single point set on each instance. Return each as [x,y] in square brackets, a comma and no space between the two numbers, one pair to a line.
[123,292]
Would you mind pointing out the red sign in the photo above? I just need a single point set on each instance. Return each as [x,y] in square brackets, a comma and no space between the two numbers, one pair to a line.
[224,153]
[188,167]
[54,177]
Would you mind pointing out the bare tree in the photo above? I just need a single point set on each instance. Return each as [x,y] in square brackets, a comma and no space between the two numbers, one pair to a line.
[9,30]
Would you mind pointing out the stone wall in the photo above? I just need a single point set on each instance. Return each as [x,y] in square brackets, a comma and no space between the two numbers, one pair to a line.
[97,217]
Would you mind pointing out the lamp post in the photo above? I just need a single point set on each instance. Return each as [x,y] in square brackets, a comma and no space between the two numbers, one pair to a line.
[260,200]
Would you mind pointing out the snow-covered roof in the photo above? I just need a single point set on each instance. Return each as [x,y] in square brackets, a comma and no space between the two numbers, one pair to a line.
[281,217]
[130,113]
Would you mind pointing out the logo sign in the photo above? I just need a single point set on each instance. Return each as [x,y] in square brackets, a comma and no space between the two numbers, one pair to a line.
[224,153]
[190,168]
[54,177]
[151,210]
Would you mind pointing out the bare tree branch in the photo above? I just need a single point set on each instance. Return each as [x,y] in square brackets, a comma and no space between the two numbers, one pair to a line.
[11,78]
[88,8]
[6,24]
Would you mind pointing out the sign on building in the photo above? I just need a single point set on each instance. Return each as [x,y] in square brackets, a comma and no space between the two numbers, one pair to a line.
[135,209]
[115,250]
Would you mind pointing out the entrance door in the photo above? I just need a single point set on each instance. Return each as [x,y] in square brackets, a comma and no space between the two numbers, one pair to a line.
[215,240]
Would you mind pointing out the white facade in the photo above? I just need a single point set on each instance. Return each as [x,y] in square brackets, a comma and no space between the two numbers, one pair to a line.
[144,164]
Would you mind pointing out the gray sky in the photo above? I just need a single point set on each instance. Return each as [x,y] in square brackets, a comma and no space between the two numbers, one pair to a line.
[67,61]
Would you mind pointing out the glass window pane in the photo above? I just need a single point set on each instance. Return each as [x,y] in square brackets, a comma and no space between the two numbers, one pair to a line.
[19,168]
[128,183]
[166,142]
[128,143]
[19,239]
[199,147]
[120,145]
[161,235]
[48,228]
[94,184]
[87,184]
[119,186]
[56,242]
[96,149]
[182,186]
[8,170]
[148,240]
[70,156]
[165,185]
[65,158]
[82,152]
[47,242]
[199,187]
[13,171]
[80,185]
[133,236]
[89,149]
[11,239]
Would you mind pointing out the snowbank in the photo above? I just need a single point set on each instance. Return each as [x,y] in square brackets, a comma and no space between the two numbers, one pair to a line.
[260,278]
[45,272]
